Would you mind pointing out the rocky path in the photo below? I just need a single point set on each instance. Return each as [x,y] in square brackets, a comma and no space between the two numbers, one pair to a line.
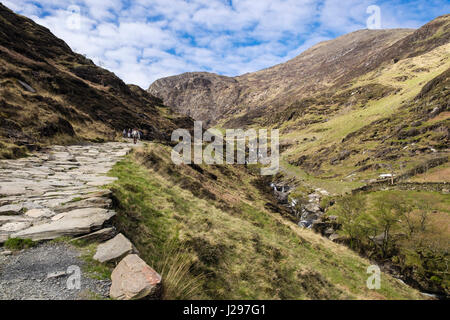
[48,195]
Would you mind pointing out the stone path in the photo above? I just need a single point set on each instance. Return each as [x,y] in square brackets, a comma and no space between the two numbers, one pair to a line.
[46,196]
[54,194]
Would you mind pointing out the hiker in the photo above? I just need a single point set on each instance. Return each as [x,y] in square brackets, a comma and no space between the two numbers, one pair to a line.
[129,133]
[124,133]
[135,136]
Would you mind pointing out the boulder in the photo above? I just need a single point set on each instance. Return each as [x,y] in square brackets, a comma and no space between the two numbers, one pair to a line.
[313,208]
[73,223]
[133,279]
[98,236]
[114,249]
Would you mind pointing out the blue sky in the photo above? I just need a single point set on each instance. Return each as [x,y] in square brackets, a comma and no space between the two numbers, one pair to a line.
[144,40]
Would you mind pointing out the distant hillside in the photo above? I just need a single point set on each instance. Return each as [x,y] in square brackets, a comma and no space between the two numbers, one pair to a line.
[212,98]
[325,67]
[49,94]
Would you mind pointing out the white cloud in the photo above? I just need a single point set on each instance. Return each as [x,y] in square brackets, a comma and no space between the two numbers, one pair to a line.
[143,40]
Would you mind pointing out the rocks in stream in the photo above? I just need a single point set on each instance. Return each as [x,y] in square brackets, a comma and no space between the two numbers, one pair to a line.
[311,215]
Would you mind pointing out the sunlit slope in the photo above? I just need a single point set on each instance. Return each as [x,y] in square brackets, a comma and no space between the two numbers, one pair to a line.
[375,129]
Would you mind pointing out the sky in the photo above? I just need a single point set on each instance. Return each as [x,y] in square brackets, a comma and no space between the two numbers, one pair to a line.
[144,40]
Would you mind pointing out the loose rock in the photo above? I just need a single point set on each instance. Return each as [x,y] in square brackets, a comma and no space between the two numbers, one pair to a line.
[133,279]
[114,249]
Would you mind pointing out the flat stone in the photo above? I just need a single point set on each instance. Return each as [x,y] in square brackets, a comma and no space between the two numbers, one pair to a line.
[11,189]
[74,223]
[86,203]
[14,226]
[56,274]
[101,181]
[7,219]
[39,213]
[102,193]
[114,249]
[6,253]
[11,209]
[98,236]
[133,279]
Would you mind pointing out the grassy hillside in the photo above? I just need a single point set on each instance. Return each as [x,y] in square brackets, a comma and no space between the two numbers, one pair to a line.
[392,120]
[216,232]
[51,95]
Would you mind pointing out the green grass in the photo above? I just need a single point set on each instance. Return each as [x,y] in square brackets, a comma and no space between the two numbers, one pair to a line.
[17,244]
[92,267]
[231,246]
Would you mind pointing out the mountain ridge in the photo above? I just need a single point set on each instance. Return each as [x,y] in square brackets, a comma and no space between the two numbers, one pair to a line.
[330,63]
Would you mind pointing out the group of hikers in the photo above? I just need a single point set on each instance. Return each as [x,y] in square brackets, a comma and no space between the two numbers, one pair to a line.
[132,133]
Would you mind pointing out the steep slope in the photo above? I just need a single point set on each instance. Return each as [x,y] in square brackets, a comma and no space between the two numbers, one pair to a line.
[217,232]
[48,93]
[372,134]
[200,95]
[316,69]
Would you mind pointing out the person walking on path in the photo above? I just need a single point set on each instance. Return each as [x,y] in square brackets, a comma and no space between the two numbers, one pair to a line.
[135,136]
[129,133]
[124,133]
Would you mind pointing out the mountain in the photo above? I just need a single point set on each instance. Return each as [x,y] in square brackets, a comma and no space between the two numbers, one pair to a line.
[363,118]
[326,66]
[49,94]
[364,83]
[209,97]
